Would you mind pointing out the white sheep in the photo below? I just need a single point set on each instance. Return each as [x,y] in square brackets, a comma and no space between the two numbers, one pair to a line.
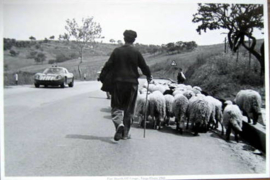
[189,94]
[157,108]
[169,108]
[181,86]
[143,90]
[162,88]
[152,88]
[250,101]
[196,90]
[198,114]
[178,91]
[140,106]
[186,92]
[232,120]
[216,112]
[180,105]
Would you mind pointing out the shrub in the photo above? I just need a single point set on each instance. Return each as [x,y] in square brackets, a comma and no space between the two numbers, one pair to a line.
[73,56]
[7,46]
[65,57]
[13,52]
[37,46]
[61,58]
[40,57]
[31,55]
[45,40]
[51,61]
[5,67]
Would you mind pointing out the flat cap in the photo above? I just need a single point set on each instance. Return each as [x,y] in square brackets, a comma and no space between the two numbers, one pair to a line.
[130,34]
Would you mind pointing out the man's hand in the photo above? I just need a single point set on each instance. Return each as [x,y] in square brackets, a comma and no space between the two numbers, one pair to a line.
[149,79]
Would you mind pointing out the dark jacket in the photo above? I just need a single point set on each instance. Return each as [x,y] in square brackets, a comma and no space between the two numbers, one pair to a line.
[124,61]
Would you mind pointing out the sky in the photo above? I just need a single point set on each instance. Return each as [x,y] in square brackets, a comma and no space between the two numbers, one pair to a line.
[155,21]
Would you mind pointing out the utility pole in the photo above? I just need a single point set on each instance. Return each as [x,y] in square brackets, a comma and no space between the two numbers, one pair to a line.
[249,62]
[225,45]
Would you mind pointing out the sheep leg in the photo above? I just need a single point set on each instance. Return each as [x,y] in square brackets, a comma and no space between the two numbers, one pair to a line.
[187,126]
[246,114]
[177,123]
[256,117]
[208,126]
[196,129]
[236,137]
[236,133]
[181,130]
[216,125]
[181,124]
[228,132]
[140,119]
[205,128]
[143,119]
[211,122]
[222,129]
[166,121]
[154,123]
[158,123]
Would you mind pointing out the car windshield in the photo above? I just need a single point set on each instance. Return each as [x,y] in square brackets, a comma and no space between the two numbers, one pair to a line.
[54,70]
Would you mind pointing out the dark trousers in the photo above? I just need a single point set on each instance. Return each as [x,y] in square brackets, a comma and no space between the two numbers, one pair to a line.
[123,100]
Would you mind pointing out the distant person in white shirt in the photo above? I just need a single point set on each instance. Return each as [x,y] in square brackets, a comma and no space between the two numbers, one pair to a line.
[181,77]
[16,76]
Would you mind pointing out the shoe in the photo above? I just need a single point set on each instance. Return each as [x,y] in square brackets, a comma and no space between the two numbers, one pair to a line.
[119,132]
[126,137]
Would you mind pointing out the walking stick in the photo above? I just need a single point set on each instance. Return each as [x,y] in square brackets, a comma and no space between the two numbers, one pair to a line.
[145,115]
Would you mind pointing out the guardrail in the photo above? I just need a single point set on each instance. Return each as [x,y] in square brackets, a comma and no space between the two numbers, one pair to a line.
[255,135]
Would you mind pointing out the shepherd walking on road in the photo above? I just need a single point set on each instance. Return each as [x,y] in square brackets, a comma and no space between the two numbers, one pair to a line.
[124,61]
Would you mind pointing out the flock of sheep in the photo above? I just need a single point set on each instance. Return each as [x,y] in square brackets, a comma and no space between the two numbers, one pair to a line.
[190,105]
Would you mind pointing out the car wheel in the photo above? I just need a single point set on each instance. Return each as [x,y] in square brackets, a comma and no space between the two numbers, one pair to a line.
[37,85]
[71,84]
[63,84]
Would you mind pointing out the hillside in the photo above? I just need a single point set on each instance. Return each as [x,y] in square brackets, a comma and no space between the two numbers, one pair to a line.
[217,73]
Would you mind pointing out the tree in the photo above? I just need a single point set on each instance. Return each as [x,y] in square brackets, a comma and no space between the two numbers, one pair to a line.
[83,34]
[119,42]
[239,19]
[112,41]
[40,57]
[46,40]
[179,46]
[170,47]
[14,53]
[32,38]
[52,37]
[152,49]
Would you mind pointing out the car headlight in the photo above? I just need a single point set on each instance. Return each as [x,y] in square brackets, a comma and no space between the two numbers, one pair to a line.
[37,77]
[58,77]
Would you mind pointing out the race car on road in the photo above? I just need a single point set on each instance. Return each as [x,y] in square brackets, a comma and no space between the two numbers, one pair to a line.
[54,76]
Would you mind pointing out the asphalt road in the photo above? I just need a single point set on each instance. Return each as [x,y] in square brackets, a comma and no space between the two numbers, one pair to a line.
[68,132]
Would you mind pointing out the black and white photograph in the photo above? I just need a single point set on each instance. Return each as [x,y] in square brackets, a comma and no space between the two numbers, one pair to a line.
[134,90]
